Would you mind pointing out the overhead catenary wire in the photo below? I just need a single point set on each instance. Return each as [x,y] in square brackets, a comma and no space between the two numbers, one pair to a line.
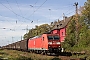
[33,7]
[11,7]
[20,15]
[41,5]
[36,2]
[20,12]
[18,7]
[16,15]
[14,12]
[38,8]
[62,7]
[68,11]
[5,20]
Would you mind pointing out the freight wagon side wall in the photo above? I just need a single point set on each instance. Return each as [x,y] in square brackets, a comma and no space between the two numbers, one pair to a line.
[18,45]
[23,45]
[13,45]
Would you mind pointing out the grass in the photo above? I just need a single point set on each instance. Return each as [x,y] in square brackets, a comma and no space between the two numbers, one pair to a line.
[19,55]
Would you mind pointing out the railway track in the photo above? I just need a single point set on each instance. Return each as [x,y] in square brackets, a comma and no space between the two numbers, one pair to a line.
[66,56]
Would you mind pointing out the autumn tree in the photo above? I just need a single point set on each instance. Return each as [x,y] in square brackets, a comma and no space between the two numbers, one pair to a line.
[38,30]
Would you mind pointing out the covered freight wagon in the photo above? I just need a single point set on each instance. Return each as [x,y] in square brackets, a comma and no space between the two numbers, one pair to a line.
[13,46]
[24,45]
[18,45]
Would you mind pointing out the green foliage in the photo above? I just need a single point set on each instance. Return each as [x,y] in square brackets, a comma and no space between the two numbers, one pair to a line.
[71,44]
[84,31]
[38,30]
[70,37]
[83,41]
[86,12]
[84,36]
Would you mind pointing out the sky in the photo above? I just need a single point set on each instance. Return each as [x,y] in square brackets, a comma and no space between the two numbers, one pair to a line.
[16,16]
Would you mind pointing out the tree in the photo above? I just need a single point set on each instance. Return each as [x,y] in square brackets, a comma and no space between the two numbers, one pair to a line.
[85,23]
[84,34]
[38,30]
[86,12]
[83,30]
[70,39]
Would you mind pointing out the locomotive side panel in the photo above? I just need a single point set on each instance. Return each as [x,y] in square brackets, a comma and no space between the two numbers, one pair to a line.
[34,44]
[31,44]
[38,44]
[44,42]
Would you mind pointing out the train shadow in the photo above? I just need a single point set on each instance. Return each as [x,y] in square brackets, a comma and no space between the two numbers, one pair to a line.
[61,54]
[65,54]
[56,58]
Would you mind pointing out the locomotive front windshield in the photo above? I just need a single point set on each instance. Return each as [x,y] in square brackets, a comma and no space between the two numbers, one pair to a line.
[50,37]
[56,37]
[53,38]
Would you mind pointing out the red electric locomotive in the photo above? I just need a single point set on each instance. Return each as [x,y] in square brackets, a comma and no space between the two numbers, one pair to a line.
[45,43]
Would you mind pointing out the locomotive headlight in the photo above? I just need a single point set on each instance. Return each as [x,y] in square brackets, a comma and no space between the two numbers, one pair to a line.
[57,42]
[49,42]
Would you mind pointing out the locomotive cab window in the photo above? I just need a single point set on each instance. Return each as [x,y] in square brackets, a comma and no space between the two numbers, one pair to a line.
[56,38]
[43,38]
[50,37]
